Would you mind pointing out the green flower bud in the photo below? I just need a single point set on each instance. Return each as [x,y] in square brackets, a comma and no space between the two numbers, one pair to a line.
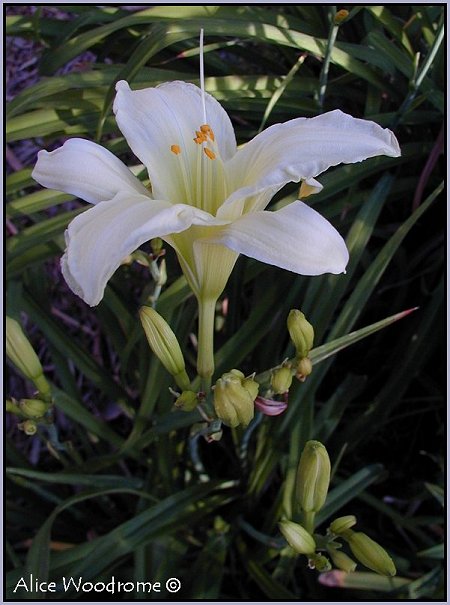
[156,243]
[371,554]
[297,537]
[29,427]
[319,562]
[281,380]
[187,401]
[164,345]
[342,524]
[23,356]
[233,401]
[33,408]
[341,560]
[301,332]
[252,387]
[304,369]
[162,273]
[313,477]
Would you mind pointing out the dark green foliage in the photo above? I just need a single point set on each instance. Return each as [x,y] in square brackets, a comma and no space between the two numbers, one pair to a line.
[124,481]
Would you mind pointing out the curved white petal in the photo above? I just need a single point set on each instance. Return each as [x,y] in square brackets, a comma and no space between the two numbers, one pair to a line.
[100,238]
[87,170]
[154,119]
[301,149]
[296,238]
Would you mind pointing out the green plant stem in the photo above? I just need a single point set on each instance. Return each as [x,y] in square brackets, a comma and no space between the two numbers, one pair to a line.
[326,64]
[417,81]
[308,521]
[205,357]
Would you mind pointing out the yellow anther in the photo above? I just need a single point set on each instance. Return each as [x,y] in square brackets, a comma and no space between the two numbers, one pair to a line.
[207,131]
[210,154]
[176,149]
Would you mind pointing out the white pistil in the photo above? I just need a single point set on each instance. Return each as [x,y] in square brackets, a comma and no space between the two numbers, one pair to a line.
[202,77]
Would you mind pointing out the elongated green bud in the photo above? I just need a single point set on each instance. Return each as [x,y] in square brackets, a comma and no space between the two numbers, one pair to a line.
[281,380]
[23,356]
[340,525]
[371,554]
[297,537]
[33,408]
[341,560]
[164,345]
[301,332]
[313,477]
[234,397]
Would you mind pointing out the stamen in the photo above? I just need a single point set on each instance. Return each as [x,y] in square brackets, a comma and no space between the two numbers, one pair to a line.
[210,154]
[207,131]
[200,138]
[176,150]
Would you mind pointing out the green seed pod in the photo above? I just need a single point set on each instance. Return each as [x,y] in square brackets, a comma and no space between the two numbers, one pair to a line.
[164,345]
[301,332]
[341,560]
[33,408]
[281,380]
[313,477]
[233,401]
[340,525]
[371,554]
[187,401]
[297,537]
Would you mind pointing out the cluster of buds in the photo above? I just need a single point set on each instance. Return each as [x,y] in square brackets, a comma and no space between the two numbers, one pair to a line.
[32,411]
[20,352]
[302,335]
[312,482]
[364,549]
[234,397]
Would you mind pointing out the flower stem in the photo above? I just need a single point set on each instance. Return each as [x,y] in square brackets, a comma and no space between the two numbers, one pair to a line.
[308,521]
[205,357]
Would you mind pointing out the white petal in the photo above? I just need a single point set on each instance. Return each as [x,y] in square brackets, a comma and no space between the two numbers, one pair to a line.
[303,148]
[296,238]
[154,119]
[100,238]
[86,170]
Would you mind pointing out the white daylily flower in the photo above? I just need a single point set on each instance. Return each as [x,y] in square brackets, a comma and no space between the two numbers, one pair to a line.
[207,197]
